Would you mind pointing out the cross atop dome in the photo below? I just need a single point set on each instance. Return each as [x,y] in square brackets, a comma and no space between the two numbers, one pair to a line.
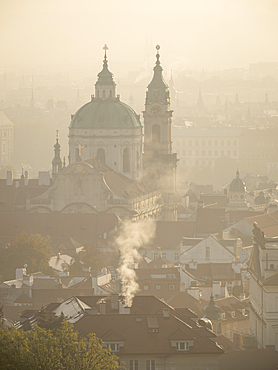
[105,47]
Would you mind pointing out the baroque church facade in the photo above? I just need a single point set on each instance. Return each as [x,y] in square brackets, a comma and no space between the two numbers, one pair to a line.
[112,168]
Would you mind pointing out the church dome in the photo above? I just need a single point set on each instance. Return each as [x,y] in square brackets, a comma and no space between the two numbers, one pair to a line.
[105,114]
[237,185]
[260,199]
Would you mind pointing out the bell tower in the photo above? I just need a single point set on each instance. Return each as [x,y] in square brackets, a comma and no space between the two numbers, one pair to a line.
[159,162]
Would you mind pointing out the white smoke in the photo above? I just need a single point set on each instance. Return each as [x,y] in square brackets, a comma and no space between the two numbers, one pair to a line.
[132,236]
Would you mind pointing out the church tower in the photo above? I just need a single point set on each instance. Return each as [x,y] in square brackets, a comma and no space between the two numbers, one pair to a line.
[56,161]
[159,162]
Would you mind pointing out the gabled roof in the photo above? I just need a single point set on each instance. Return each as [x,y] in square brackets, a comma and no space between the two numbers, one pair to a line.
[111,335]
[137,331]
[23,298]
[181,335]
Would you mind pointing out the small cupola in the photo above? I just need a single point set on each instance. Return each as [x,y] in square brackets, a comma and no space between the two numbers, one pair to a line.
[105,87]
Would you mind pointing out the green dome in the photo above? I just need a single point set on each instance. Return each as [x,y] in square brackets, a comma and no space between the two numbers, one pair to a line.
[237,185]
[107,113]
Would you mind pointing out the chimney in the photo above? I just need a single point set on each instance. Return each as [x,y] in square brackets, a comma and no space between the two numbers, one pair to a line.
[44,178]
[166,313]
[9,178]
[114,301]
[102,308]
[28,280]
[19,273]
[193,265]
[26,178]
[123,310]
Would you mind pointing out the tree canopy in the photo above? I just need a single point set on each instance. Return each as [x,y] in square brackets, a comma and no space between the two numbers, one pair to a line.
[42,349]
[33,250]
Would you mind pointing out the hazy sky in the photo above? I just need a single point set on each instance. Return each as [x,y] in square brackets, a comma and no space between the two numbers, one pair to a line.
[193,34]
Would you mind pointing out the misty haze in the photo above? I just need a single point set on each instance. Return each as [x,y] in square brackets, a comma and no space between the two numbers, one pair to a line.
[139,185]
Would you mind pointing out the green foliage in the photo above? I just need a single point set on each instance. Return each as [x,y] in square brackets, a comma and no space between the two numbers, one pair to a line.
[48,320]
[33,250]
[89,257]
[40,349]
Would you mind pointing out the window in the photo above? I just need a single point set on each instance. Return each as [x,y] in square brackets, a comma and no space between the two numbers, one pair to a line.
[246,329]
[158,287]
[171,286]
[114,347]
[228,153]
[235,153]
[182,346]
[222,142]
[216,152]
[146,287]
[126,160]
[196,152]
[163,255]
[203,152]
[104,94]
[133,365]
[241,329]
[207,253]
[156,133]
[203,143]
[222,153]
[225,333]
[177,256]
[228,143]
[209,152]
[231,332]
[235,143]
[150,365]
[209,143]
[190,143]
[196,143]
[216,143]
[101,155]
[155,255]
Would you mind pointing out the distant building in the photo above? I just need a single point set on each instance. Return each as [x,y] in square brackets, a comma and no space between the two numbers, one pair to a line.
[6,139]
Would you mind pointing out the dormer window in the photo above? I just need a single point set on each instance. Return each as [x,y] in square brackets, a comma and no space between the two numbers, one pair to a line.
[182,346]
[114,347]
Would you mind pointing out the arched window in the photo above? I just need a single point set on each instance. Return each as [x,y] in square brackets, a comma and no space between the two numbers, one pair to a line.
[184,152]
[196,152]
[126,160]
[101,155]
[190,143]
[235,143]
[209,152]
[222,153]
[222,142]
[104,94]
[228,153]
[216,152]
[203,143]
[203,152]
[110,94]
[235,153]
[196,142]
[228,143]
[190,152]
[209,143]
[216,143]
[156,133]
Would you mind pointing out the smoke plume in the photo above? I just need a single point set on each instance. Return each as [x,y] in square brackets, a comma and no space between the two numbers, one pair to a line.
[132,236]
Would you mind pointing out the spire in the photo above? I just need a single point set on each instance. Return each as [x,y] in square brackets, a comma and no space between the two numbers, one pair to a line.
[211,310]
[56,161]
[105,85]
[158,80]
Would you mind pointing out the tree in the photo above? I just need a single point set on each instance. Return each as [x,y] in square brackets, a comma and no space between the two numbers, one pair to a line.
[33,250]
[41,349]
[89,257]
